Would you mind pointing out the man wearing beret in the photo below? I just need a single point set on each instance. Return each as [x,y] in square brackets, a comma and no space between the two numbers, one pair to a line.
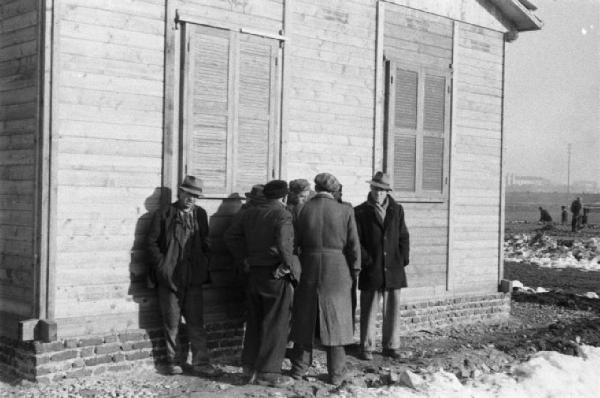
[178,249]
[264,239]
[384,243]
[327,241]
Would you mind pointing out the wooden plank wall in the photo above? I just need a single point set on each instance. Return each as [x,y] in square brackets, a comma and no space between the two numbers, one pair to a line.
[110,120]
[421,39]
[476,165]
[331,94]
[110,112]
[19,42]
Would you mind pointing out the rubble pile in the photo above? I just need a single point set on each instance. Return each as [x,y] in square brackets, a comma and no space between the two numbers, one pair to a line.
[547,251]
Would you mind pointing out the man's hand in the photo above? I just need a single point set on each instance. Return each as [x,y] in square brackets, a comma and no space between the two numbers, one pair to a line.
[280,272]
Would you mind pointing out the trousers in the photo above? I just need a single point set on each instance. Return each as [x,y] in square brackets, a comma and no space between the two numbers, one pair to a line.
[187,303]
[269,303]
[369,307]
[336,361]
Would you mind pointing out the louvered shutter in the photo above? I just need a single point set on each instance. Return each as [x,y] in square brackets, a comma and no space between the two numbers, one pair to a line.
[405,115]
[207,116]
[434,116]
[256,113]
[229,108]
[417,129]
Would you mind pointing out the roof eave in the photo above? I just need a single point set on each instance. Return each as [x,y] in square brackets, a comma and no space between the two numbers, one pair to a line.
[519,16]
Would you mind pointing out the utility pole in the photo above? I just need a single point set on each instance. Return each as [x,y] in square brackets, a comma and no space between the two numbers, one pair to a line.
[569,169]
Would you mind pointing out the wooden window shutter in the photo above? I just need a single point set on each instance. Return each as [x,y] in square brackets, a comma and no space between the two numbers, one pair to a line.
[207,114]
[417,130]
[434,122]
[405,108]
[256,111]
[405,119]
[230,107]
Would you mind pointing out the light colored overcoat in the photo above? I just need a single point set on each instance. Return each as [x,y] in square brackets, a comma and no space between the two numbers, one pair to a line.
[329,248]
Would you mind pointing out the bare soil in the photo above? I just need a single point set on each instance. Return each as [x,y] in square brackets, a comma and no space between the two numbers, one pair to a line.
[560,320]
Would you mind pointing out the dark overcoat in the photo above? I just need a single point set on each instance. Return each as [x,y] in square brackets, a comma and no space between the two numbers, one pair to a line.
[384,246]
[159,237]
[263,235]
[329,251]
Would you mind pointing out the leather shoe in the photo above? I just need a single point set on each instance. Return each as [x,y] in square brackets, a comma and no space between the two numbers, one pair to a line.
[249,374]
[275,381]
[174,369]
[392,353]
[207,370]
[337,380]
[366,355]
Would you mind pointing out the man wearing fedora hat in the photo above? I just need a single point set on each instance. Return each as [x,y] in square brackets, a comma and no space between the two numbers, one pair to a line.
[329,255]
[384,243]
[178,250]
[263,238]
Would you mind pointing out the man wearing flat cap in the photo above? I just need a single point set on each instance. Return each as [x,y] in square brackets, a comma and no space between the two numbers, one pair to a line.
[178,250]
[384,243]
[329,248]
[264,239]
[299,194]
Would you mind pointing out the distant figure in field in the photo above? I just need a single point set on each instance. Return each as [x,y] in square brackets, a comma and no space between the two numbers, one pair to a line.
[575,217]
[584,218]
[545,216]
[564,215]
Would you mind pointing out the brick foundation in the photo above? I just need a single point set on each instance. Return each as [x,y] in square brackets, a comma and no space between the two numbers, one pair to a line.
[436,314]
[92,355]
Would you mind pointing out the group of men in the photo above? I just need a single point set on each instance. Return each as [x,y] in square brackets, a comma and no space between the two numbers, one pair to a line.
[303,253]
[579,215]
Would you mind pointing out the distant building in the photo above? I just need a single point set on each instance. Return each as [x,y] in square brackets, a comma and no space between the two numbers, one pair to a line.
[584,186]
[527,183]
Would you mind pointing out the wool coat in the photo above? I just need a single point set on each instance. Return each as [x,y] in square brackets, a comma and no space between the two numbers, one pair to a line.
[263,235]
[327,241]
[384,246]
[193,271]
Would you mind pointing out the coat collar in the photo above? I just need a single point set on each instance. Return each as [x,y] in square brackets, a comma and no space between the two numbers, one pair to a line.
[325,195]
[391,205]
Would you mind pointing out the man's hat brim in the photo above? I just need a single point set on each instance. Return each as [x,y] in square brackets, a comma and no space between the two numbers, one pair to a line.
[193,191]
[378,184]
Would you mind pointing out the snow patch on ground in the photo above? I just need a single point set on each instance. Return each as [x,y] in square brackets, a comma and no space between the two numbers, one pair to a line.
[547,374]
[546,251]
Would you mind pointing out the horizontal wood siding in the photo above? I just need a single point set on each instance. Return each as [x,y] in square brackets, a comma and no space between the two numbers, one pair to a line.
[416,39]
[19,59]
[331,58]
[477,159]
[110,117]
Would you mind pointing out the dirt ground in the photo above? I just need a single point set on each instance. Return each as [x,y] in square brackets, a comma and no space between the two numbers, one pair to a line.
[559,320]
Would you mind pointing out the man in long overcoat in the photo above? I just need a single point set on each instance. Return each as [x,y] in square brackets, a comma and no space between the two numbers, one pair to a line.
[329,250]
[384,243]
[178,250]
[263,237]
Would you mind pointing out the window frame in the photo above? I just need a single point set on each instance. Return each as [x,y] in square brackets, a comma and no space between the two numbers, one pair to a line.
[419,194]
[176,16]
[233,87]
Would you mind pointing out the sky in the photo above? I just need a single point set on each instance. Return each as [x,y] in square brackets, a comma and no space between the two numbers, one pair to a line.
[552,94]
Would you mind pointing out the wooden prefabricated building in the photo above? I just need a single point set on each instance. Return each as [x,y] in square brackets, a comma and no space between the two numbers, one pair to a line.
[105,104]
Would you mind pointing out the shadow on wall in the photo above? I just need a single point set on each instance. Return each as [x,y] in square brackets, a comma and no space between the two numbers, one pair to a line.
[224,296]
[141,288]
